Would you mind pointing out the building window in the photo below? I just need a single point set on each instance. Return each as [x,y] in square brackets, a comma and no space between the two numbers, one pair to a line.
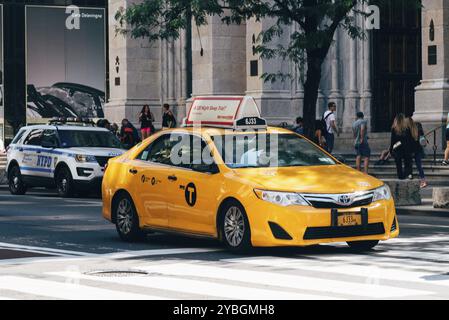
[432,52]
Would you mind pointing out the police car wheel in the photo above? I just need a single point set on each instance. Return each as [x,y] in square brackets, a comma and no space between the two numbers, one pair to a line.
[16,184]
[127,220]
[363,245]
[234,227]
[64,183]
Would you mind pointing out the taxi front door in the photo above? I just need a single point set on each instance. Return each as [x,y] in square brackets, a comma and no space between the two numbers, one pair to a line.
[148,192]
[193,194]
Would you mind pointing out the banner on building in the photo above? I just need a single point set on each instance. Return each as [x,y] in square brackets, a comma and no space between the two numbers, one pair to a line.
[66,62]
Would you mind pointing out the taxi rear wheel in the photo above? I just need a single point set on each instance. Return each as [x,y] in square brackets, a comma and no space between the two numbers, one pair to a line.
[64,183]
[16,184]
[127,220]
[363,245]
[234,227]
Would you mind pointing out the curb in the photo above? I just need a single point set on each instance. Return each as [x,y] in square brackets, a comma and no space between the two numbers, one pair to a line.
[423,212]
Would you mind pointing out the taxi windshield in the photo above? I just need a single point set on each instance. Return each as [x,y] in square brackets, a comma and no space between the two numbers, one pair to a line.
[88,139]
[269,150]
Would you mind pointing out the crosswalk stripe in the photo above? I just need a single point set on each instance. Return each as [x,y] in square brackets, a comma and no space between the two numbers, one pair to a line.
[67,291]
[372,274]
[201,288]
[326,286]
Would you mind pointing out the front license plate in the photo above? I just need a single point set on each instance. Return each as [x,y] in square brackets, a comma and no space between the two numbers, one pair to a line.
[349,219]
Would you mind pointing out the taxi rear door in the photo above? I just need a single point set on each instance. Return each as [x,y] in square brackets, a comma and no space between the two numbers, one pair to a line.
[194,188]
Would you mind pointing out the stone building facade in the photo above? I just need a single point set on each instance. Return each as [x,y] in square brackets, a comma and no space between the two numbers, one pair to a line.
[377,75]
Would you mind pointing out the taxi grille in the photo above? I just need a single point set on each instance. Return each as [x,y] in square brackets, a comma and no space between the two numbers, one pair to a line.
[333,201]
[344,232]
[330,205]
[102,161]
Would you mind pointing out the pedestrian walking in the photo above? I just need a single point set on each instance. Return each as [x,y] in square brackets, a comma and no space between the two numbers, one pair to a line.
[128,134]
[318,134]
[146,120]
[299,128]
[401,147]
[363,151]
[331,129]
[446,152]
[168,119]
[419,142]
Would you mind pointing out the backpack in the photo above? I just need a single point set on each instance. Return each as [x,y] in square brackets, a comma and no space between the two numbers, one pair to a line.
[323,124]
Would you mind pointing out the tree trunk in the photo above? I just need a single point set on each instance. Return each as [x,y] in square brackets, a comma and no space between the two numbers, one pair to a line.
[311,88]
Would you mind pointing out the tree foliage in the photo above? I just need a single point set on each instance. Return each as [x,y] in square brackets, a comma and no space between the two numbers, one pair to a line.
[307,47]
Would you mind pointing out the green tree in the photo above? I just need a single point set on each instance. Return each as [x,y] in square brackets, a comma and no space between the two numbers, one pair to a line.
[317,21]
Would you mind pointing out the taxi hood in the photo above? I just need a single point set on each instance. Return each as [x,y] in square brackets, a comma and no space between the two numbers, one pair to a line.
[318,179]
[100,152]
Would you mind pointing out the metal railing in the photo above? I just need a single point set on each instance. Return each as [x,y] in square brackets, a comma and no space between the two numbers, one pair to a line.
[433,132]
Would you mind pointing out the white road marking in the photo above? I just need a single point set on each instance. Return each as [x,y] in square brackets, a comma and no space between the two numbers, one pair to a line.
[202,288]
[43,250]
[157,252]
[67,291]
[371,273]
[327,286]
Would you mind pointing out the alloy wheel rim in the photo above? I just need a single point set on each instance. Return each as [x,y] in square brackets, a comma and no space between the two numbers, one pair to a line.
[15,181]
[234,226]
[124,216]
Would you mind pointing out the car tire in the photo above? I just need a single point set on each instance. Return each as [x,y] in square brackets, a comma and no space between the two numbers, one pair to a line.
[234,228]
[363,245]
[15,181]
[64,183]
[127,219]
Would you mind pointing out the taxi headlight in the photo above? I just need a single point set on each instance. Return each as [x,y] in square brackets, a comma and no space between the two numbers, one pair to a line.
[382,193]
[85,158]
[283,199]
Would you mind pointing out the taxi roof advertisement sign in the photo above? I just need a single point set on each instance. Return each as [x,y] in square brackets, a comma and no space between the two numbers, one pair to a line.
[221,111]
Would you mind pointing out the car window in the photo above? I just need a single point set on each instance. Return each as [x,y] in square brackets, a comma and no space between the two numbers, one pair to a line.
[34,138]
[88,139]
[50,137]
[18,136]
[180,150]
[159,151]
[269,150]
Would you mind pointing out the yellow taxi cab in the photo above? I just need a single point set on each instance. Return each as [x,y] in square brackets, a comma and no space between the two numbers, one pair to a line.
[227,175]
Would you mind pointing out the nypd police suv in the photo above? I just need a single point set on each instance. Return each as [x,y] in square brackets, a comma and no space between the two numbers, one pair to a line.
[70,157]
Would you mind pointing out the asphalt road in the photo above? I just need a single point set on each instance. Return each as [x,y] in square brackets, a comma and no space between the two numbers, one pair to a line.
[48,245]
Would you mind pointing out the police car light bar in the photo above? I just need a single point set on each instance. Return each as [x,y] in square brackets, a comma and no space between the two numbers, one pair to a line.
[233,112]
[61,120]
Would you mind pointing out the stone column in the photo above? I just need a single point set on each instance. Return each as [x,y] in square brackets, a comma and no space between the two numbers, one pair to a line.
[335,92]
[136,82]
[352,97]
[221,70]
[432,95]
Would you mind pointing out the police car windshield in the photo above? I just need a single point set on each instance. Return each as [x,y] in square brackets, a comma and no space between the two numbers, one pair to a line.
[88,139]
[269,150]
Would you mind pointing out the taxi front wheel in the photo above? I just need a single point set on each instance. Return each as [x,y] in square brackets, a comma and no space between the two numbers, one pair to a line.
[127,220]
[363,245]
[234,227]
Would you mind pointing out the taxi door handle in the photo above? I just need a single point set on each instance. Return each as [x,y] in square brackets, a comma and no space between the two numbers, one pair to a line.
[133,171]
[172,178]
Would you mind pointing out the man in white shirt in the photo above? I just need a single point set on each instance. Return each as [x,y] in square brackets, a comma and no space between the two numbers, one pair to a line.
[331,126]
